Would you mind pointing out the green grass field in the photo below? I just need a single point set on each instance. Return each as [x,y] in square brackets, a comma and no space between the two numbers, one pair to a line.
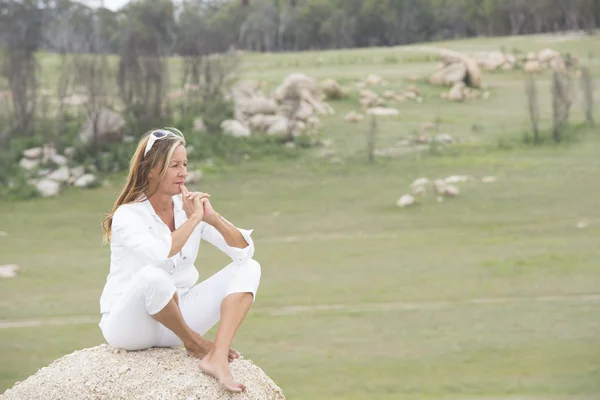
[491,295]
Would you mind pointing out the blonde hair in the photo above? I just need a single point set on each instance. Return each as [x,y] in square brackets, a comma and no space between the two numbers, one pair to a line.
[138,186]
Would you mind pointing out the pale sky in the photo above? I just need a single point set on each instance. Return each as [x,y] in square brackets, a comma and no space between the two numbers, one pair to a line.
[110,4]
[114,4]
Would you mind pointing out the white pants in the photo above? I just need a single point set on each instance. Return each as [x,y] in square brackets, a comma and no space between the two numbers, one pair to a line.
[129,324]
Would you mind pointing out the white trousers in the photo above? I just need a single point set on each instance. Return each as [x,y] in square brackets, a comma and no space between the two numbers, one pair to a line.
[129,324]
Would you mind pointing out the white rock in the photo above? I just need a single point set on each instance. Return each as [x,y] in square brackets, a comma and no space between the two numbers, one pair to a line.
[489,179]
[405,201]
[234,128]
[194,176]
[420,182]
[156,373]
[353,116]
[199,125]
[78,171]
[84,181]
[532,67]
[106,124]
[44,172]
[382,111]
[373,79]
[33,153]
[69,152]
[3,233]
[8,271]
[48,187]
[59,160]
[457,92]
[280,127]
[439,185]
[457,178]
[451,191]
[546,55]
[48,152]
[259,105]
[582,224]
[444,138]
[28,164]
[419,191]
[60,175]
[124,369]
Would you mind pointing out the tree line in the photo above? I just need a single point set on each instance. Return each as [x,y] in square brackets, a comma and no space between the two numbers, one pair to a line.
[194,27]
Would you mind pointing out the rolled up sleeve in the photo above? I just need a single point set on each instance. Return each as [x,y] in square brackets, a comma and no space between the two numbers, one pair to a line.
[213,236]
[132,231]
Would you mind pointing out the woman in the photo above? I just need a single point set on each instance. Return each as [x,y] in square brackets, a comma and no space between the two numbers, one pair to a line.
[155,230]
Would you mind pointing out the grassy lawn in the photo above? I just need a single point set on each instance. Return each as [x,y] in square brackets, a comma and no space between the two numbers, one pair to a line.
[477,297]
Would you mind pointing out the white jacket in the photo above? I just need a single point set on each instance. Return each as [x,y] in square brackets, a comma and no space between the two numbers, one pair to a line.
[139,238]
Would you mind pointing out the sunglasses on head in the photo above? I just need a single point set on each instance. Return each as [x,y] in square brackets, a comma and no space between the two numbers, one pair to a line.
[160,134]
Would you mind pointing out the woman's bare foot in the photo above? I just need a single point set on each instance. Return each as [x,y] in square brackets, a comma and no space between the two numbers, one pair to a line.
[216,365]
[199,347]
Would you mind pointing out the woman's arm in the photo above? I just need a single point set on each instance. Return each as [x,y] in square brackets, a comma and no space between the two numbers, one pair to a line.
[234,242]
[181,235]
[232,235]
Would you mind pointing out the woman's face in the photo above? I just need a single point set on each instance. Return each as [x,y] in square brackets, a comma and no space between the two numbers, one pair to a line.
[175,175]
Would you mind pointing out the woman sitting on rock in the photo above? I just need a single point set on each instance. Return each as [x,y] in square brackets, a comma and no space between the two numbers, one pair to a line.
[155,230]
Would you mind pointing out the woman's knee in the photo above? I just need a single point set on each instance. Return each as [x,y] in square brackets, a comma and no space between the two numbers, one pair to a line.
[157,287]
[254,266]
[152,275]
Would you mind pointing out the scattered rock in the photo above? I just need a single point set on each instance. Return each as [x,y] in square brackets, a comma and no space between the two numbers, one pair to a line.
[332,89]
[84,181]
[458,178]
[28,164]
[48,187]
[533,67]
[194,177]
[60,175]
[582,224]
[405,201]
[353,116]
[451,191]
[199,125]
[444,138]
[546,55]
[110,127]
[380,111]
[448,75]
[78,171]
[489,179]
[373,79]
[69,152]
[234,128]
[33,153]
[59,160]
[473,76]
[8,271]
[457,93]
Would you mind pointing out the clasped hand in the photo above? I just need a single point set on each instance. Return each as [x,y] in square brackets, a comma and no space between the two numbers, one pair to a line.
[198,204]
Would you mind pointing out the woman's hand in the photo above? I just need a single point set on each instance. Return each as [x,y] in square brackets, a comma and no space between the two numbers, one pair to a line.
[210,215]
[193,202]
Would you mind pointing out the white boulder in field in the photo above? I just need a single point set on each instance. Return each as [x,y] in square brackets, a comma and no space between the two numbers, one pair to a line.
[103,372]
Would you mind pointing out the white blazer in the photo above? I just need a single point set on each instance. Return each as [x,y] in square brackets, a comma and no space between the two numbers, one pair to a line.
[139,238]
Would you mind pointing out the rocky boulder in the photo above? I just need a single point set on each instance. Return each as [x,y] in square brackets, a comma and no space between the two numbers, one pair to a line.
[158,373]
